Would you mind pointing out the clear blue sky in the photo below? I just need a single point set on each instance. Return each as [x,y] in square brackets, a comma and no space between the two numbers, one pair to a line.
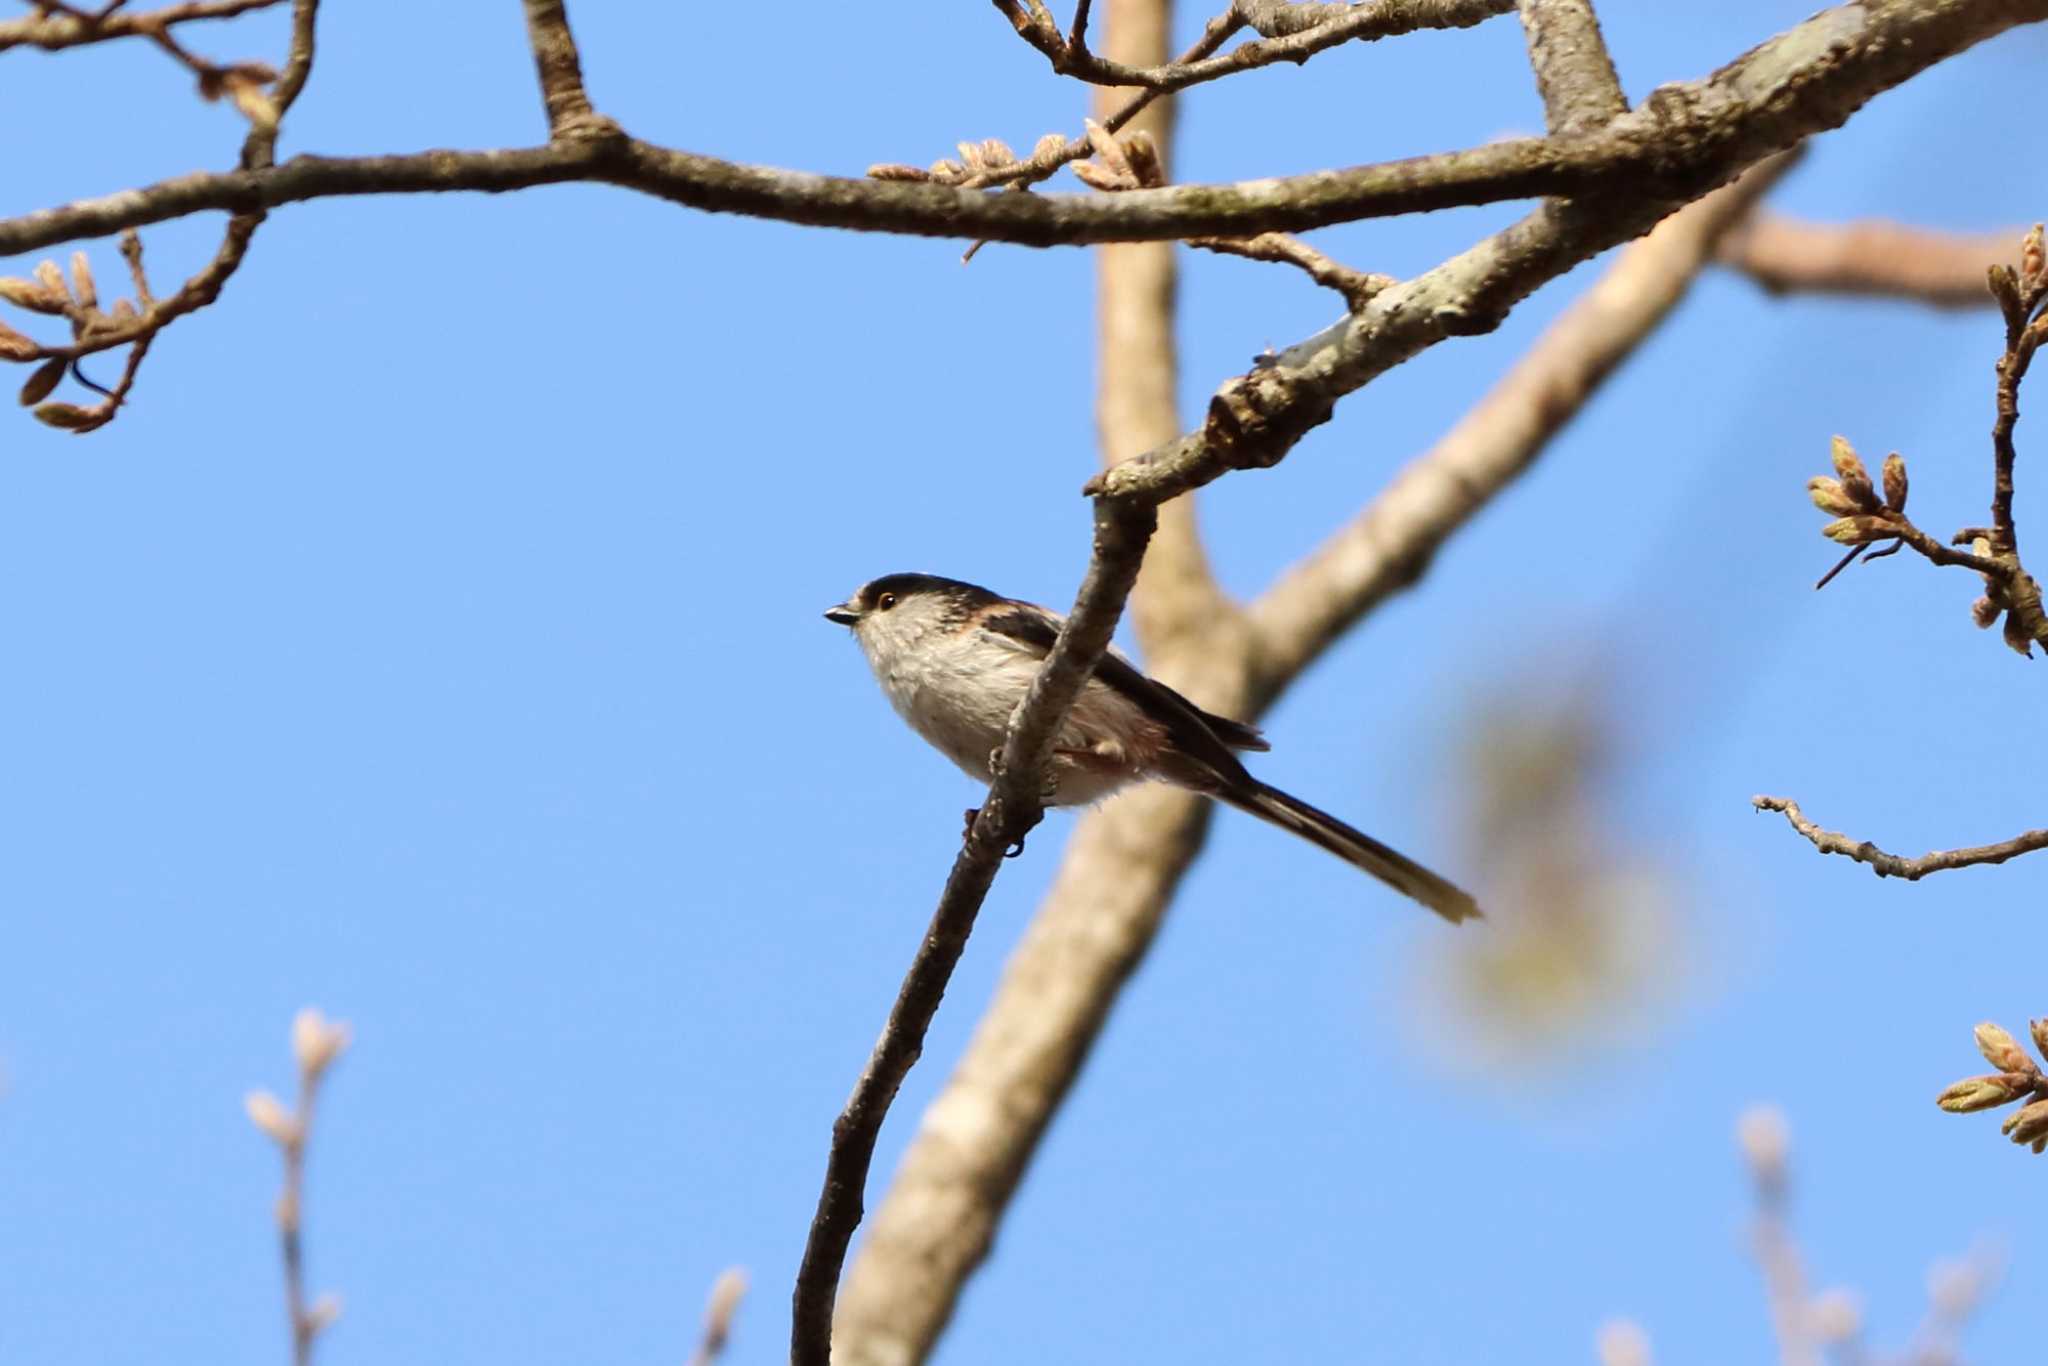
[436,640]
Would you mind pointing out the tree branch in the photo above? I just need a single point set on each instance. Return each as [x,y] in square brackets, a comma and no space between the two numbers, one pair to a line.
[1337,24]
[1682,141]
[560,68]
[1889,260]
[53,30]
[1892,865]
[1357,286]
[1126,860]
[1390,545]
[1575,75]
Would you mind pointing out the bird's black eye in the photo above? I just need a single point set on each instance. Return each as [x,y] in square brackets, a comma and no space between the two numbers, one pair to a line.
[884,602]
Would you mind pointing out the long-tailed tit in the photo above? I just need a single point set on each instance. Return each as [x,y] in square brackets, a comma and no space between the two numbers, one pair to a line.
[956,659]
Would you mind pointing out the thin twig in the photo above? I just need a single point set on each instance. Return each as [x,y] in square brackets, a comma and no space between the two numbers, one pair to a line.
[1357,286]
[1386,19]
[316,1044]
[259,149]
[1893,865]
[60,27]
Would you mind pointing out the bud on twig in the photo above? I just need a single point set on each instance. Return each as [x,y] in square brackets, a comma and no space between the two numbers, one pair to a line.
[2005,288]
[2001,1050]
[317,1041]
[2028,1123]
[16,346]
[1100,177]
[1855,479]
[1895,482]
[52,280]
[893,170]
[1858,530]
[69,417]
[82,283]
[40,384]
[1143,155]
[267,1113]
[2032,262]
[1985,1093]
[1830,497]
[28,294]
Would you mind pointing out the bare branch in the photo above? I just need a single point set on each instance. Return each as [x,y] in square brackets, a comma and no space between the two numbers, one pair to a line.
[259,149]
[1339,24]
[317,1043]
[1392,542]
[1892,865]
[1580,91]
[1357,286]
[1885,259]
[560,67]
[54,29]
[1765,100]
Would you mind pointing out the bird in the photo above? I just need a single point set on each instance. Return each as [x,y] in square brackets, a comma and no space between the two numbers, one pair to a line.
[954,660]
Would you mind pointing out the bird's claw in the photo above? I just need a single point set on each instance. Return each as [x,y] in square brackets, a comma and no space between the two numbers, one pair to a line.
[967,828]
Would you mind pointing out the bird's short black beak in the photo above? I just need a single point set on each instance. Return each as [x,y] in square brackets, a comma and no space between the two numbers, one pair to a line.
[841,615]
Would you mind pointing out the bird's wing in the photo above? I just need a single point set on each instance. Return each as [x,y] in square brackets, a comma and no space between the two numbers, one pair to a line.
[1199,734]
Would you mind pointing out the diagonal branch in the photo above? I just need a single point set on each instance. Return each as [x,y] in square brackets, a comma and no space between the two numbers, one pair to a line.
[1389,545]
[1893,865]
[1580,91]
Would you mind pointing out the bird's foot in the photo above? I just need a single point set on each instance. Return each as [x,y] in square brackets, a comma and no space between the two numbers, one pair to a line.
[967,828]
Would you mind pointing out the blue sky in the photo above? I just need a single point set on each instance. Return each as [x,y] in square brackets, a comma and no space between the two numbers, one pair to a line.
[436,640]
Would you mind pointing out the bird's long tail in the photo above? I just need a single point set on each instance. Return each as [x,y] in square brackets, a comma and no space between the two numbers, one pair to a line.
[1354,846]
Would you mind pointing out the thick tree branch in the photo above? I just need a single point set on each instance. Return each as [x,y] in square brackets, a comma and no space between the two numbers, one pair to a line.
[1888,260]
[1390,545]
[1681,141]
[1574,74]
[1893,865]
